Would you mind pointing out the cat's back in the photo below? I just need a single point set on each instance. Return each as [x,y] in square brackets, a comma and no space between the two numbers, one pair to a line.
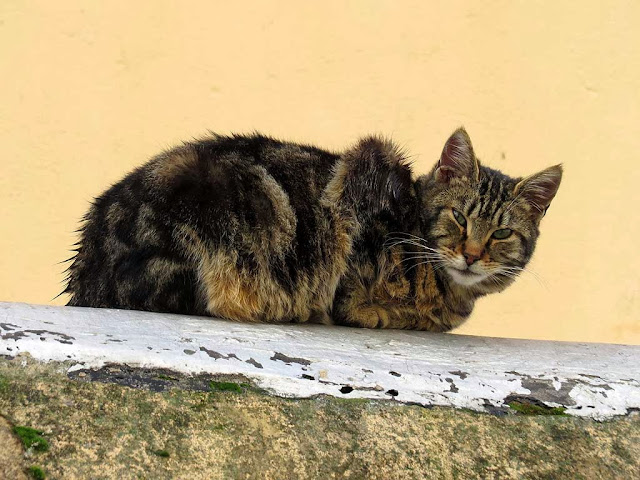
[234,173]
[209,158]
[248,205]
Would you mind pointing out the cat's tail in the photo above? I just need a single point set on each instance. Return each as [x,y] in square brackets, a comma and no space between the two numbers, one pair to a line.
[371,178]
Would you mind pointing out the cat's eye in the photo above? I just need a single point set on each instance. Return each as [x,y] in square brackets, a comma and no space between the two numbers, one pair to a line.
[459,218]
[502,233]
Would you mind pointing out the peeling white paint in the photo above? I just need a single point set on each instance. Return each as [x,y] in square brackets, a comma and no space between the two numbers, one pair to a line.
[593,380]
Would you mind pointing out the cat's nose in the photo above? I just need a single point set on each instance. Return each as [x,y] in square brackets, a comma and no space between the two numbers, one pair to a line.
[470,258]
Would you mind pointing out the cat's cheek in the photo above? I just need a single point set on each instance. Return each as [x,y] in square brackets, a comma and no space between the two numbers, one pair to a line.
[505,251]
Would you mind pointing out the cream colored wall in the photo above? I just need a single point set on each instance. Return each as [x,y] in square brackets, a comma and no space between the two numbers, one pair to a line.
[92,89]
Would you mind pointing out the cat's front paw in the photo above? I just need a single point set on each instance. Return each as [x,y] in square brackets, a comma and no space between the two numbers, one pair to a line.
[372,316]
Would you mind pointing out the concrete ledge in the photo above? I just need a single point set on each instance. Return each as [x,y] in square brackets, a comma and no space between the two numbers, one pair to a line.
[479,373]
[100,429]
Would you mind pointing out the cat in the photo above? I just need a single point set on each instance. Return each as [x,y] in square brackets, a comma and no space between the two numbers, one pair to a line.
[253,229]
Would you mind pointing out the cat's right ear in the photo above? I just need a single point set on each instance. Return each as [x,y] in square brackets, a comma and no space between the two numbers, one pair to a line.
[540,188]
[457,159]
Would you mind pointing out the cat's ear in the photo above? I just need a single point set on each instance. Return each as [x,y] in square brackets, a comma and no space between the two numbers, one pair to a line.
[457,159]
[540,188]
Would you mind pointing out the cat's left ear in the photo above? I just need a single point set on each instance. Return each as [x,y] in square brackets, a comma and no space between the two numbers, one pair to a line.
[457,159]
[540,188]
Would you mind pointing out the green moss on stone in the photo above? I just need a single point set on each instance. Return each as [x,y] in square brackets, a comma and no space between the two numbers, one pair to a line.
[531,409]
[225,387]
[31,437]
[36,472]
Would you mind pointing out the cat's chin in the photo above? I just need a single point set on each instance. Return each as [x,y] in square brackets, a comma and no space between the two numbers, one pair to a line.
[465,278]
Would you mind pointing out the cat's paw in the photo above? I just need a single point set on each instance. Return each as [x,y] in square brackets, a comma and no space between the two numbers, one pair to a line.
[372,316]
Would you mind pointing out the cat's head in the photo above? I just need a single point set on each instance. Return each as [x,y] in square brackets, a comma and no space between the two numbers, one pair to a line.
[481,225]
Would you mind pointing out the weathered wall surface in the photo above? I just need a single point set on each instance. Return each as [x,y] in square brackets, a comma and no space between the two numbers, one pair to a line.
[90,90]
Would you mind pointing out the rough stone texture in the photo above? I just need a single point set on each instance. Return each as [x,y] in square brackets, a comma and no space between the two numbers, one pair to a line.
[109,430]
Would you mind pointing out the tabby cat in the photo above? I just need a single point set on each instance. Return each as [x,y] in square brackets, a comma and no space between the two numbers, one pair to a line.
[253,229]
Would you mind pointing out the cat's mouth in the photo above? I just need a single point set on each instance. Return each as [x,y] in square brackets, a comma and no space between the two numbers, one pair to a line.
[467,272]
[465,277]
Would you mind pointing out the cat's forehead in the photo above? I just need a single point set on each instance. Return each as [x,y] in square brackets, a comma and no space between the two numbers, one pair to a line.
[490,198]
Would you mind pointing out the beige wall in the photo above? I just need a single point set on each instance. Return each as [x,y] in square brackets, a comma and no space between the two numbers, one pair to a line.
[92,89]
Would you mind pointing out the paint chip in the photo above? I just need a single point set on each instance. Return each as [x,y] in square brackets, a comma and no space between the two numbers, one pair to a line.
[253,362]
[286,359]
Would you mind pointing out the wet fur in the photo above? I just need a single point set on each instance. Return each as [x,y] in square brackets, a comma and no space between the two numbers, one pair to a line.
[257,230]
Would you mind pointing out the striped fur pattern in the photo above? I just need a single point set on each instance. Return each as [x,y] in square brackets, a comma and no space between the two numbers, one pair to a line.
[257,230]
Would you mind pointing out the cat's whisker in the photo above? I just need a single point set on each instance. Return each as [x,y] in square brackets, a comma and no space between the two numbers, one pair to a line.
[432,254]
[394,245]
[396,241]
[401,239]
[514,269]
[435,266]
[516,274]
[404,241]
[426,257]
[420,257]
[408,234]
[431,260]
[405,236]
[424,254]
[528,270]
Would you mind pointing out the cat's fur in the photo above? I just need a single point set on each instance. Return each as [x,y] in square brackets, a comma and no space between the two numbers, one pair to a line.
[257,230]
